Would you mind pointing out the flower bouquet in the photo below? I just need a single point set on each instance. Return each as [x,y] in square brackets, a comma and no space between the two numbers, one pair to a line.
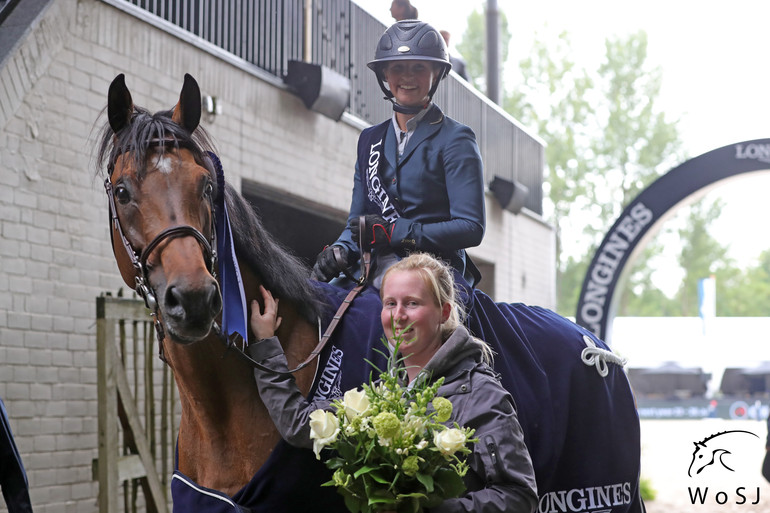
[392,450]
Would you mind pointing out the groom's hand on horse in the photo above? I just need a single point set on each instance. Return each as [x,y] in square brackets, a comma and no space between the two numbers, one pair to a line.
[377,231]
[265,324]
[330,263]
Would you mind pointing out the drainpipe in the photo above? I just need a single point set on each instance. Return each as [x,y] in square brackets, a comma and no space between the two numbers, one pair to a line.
[493,51]
[307,51]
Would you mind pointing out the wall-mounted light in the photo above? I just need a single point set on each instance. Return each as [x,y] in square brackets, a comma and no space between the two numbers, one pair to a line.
[211,107]
[321,89]
[510,194]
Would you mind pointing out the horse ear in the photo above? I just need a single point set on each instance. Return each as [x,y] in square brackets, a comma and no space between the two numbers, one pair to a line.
[120,106]
[188,111]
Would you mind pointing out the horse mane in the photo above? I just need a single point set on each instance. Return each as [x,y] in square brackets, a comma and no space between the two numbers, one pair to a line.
[703,442]
[284,275]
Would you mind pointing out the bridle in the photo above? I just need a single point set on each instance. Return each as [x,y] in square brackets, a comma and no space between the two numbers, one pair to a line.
[139,260]
[209,245]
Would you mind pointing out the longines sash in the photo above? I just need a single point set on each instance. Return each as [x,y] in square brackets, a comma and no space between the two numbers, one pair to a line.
[371,150]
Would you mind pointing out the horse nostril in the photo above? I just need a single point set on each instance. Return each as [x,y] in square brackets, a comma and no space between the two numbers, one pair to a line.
[190,307]
[173,297]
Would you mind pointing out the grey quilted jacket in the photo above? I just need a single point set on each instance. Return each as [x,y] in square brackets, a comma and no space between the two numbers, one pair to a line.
[500,479]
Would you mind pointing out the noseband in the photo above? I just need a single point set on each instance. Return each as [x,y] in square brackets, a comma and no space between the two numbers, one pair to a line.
[141,277]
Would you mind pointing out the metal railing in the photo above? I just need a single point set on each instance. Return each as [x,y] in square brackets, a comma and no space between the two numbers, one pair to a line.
[6,6]
[266,33]
[269,33]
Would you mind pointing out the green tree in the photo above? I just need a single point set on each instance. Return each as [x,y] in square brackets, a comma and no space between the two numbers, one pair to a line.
[731,287]
[570,276]
[473,44]
[553,100]
[747,293]
[639,295]
[606,141]
[637,144]
[702,255]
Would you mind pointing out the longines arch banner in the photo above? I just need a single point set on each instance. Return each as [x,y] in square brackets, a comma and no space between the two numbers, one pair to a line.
[638,222]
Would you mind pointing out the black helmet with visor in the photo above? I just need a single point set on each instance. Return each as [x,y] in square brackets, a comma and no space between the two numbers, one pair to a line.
[409,40]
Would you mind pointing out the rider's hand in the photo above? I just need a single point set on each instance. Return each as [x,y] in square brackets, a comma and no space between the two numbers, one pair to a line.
[327,266]
[377,231]
[264,324]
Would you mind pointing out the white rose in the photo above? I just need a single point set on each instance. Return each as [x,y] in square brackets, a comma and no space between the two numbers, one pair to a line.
[449,441]
[356,403]
[324,428]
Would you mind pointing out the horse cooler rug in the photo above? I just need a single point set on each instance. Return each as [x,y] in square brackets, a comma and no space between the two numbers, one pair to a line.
[573,400]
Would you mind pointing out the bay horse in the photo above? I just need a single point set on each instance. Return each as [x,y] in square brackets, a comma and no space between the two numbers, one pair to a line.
[165,189]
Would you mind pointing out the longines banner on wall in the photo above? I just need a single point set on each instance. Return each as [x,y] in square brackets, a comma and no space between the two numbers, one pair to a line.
[680,186]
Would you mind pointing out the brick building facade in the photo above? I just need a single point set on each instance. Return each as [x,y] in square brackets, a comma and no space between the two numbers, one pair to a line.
[57,59]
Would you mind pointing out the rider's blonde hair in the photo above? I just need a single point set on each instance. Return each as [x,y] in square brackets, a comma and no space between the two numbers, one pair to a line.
[439,278]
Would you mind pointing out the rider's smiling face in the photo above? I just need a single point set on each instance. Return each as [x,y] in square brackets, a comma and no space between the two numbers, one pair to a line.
[410,81]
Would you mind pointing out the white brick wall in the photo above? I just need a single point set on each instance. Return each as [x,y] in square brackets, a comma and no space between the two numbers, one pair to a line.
[55,256]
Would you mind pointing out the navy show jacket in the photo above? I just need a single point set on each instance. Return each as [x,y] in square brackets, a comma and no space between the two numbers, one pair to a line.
[438,185]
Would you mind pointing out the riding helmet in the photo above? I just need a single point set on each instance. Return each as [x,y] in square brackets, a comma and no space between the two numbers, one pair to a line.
[410,40]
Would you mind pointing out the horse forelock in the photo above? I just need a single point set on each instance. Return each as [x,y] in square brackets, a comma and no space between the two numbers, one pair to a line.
[142,135]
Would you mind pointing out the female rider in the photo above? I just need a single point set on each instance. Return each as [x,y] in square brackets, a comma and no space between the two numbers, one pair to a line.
[419,177]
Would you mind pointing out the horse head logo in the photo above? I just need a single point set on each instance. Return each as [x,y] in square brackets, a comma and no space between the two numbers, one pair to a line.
[711,450]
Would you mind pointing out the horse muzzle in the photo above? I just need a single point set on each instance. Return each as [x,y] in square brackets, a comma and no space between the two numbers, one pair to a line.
[188,311]
[187,293]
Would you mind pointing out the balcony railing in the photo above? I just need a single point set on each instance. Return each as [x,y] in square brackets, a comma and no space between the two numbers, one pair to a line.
[5,8]
[269,33]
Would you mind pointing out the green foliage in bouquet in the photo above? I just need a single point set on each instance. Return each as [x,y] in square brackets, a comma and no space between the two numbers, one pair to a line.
[392,450]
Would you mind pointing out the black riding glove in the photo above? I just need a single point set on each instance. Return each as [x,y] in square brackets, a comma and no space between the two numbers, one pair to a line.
[378,231]
[328,265]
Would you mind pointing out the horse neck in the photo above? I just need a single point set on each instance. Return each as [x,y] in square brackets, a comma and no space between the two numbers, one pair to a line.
[223,417]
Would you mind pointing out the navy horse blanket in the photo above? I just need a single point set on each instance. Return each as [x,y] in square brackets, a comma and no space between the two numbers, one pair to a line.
[13,478]
[573,399]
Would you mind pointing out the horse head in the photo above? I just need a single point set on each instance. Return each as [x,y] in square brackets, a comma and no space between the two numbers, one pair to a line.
[161,188]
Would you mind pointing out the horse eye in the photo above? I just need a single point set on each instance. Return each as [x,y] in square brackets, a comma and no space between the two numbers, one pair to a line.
[122,195]
[208,190]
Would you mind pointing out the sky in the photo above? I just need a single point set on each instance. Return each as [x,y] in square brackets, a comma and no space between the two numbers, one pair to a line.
[715,75]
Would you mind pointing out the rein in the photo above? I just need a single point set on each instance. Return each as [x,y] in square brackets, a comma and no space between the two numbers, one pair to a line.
[366,261]
[366,258]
